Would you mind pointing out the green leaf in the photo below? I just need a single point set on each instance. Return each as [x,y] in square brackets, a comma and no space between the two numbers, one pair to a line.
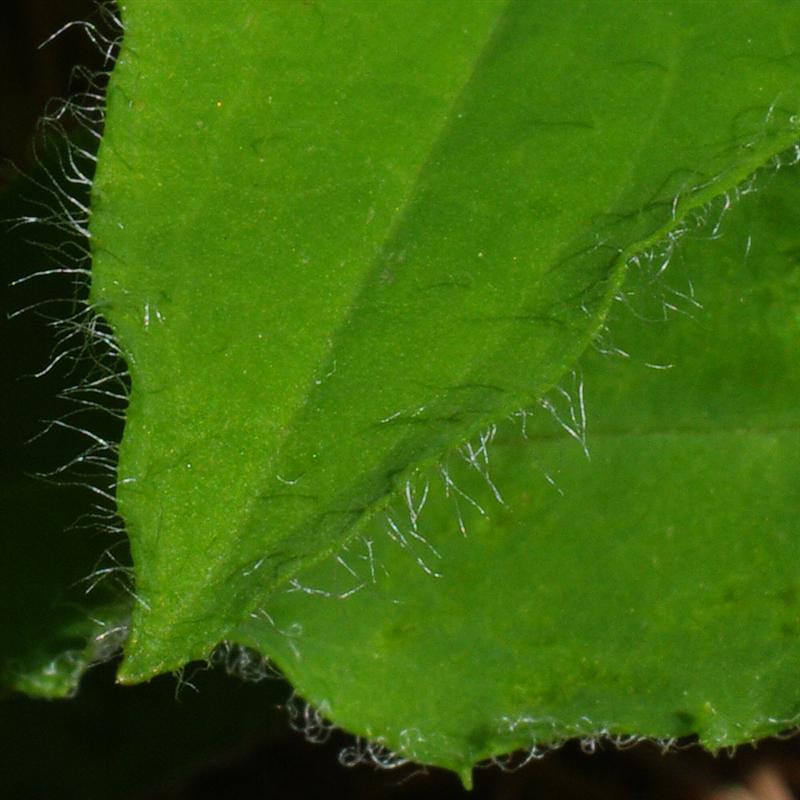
[336,239]
[654,593]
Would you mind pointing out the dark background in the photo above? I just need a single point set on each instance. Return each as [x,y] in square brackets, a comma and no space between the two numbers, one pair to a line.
[220,737]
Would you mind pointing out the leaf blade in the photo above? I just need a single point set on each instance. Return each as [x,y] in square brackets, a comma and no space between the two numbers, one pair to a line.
[276,465]
[657,596]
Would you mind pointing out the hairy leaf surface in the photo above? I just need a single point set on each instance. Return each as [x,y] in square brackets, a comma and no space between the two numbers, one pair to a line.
[336,239]
[651,591]
[50,629]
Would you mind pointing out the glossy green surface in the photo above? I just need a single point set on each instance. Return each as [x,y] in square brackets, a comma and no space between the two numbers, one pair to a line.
[337,239]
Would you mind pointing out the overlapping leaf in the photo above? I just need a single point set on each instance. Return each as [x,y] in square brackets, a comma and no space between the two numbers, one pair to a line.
[651,590]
